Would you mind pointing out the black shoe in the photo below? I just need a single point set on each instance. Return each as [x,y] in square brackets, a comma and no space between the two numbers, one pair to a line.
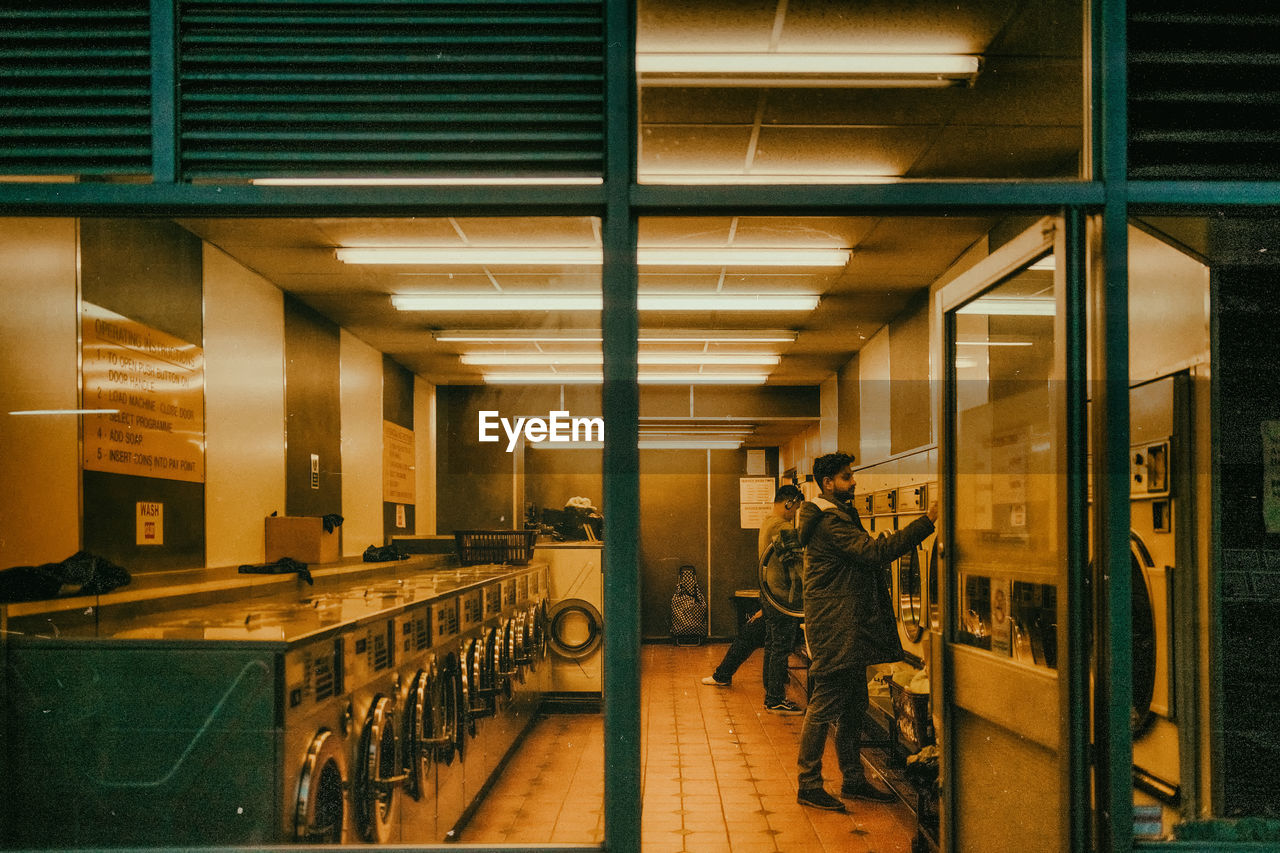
[818,798]
[785,708]
[864,790]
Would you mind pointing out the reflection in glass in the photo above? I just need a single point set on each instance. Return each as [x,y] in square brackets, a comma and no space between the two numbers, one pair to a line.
[1006,485]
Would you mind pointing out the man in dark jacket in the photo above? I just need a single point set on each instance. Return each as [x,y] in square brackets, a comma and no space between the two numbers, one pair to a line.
[849,625]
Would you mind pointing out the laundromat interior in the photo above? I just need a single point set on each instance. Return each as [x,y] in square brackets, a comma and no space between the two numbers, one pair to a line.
[365,433]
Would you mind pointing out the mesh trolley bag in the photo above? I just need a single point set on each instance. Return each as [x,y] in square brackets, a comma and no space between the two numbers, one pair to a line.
[688,609]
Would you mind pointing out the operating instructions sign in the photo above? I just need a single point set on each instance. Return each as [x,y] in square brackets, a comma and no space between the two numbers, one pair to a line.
[144,396]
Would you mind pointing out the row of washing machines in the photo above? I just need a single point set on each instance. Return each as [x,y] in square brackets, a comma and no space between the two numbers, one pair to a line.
[372,712]
[912,580]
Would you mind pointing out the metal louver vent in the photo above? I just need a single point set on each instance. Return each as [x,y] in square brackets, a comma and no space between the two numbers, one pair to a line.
[75,87]
[391,87]
[1203,90]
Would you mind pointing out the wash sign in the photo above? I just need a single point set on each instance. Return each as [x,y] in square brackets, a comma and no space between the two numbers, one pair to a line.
[557,428]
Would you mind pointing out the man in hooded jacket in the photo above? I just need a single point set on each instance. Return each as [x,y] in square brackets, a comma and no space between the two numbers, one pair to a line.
[849,625]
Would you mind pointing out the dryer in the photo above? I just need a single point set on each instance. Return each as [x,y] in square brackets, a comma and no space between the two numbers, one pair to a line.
[1156,458]
[911,572]
[575,617]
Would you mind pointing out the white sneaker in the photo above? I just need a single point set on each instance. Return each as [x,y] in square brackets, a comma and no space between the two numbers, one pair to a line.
[711,680]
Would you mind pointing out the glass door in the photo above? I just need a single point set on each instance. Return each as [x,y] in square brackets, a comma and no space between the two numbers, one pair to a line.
[1003,710]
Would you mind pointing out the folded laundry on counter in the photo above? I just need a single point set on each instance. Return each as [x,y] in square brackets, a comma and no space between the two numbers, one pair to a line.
[282,566]
[89,573]
[384,554]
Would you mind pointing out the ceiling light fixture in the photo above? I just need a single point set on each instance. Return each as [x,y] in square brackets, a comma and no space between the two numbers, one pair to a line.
[709,336]
[1010,306]
[644,378]
[755,178]
[537,358]
[527,301]
[755,256]
[688,444]
[843,70]
[539,181]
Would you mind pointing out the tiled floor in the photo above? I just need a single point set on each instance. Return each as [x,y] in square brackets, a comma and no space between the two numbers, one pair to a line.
[718,776]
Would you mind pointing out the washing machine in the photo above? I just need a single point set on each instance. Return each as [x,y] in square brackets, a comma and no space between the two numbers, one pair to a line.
[1156,458]
[317,721]
[420,705]
[377,774]
[575,618]
[910,574]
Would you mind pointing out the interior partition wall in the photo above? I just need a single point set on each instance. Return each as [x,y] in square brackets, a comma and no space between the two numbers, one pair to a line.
[164,155]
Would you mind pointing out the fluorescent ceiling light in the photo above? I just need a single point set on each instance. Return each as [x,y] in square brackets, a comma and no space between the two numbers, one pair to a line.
[645,444]
[993,343]
[427,182]
[693,358]
[527,301]
[1013,306]
[756,256]
[689,444]
[1045,263]
[587,336]
[807,69]
[755,178]
[66,412]
[644,378]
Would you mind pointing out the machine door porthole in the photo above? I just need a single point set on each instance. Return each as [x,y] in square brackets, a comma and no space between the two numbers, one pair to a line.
[909,594]
[320,812]
[378,774]
[576,628]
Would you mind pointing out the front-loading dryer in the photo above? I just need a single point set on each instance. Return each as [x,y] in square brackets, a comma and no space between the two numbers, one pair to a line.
[910,573]
[1155,461]
[575,618]
[376,766]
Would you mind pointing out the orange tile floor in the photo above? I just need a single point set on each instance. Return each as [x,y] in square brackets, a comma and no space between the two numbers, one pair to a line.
[718,776]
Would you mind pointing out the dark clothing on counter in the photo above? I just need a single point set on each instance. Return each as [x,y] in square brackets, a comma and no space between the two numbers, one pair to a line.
[283,566]
[88,573]
[849,625]
[384,553]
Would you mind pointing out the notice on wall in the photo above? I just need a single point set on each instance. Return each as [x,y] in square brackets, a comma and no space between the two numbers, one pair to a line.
[150,386]
[755,500]
[150,518]
[756,463]
[397,464]
[1271,475]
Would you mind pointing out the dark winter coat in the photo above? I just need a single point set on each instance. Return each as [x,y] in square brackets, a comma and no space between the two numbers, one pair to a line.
[848,613]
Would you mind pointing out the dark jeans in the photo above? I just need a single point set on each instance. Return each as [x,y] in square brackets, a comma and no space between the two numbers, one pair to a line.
[779,640]
[750,638]
[837,699]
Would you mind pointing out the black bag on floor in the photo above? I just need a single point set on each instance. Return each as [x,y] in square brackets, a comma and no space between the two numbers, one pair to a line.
[688,609]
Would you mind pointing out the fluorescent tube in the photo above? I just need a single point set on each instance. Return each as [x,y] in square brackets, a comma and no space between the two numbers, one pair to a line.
[529,301]
[756,256]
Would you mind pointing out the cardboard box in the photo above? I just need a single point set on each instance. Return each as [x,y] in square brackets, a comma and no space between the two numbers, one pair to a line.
[301,537]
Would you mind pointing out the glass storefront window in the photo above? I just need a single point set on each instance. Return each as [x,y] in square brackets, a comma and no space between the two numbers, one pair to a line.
[340,524]
[816,91]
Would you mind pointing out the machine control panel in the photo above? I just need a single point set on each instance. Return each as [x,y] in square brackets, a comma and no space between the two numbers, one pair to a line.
[415,630]
[913,498]
[522,587]
[509,592]
[472,609]
[883,503]
[492,600]
[445,620]
[312,675]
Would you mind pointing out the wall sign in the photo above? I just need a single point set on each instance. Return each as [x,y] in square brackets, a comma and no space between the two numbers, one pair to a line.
[755,500]
[154,385]
[150,529]
[397,464]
